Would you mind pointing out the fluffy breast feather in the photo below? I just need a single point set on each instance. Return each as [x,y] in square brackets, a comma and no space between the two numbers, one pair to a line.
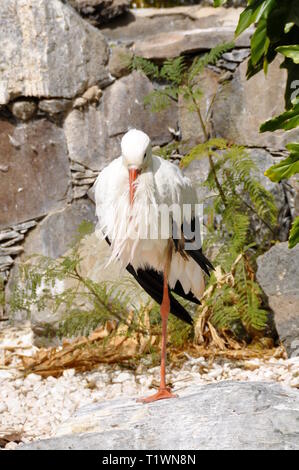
[129,228]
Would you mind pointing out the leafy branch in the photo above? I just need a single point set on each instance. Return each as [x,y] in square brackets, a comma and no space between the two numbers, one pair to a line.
[277,32]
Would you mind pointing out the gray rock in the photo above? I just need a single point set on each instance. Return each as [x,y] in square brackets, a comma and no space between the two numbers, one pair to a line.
[263,161]
[121,108]
[294,181]
[53,237]
[278,275]
[19,238]
[12,250]
[119,62]
[25,225]
[38,38]
[172,44]
[80,191]
[227,65]
[100,11]
[198,171]
[38,177]
[57,232]
[4,168]
[54,106]
[77,167]
[91,96]
[8,235]
[189,122]
[227,415]
[81,175]
[3,277]
[85,181]
[92,149]
[226,76]
[141,23]
[237,55]
[243,105]
[23,110]
[90,194]
[5,262]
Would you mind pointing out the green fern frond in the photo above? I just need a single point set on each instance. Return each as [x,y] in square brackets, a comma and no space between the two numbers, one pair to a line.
[160,98]
[145,66]
[210,58]
[203,150]
[173,70]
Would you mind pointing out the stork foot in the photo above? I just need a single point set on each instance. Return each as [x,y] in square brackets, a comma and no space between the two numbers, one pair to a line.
[162,394]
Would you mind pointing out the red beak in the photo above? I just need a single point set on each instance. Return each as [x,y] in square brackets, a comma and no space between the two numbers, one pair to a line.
[133,173]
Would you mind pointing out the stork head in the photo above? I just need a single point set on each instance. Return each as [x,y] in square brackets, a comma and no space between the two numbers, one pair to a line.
[136,155]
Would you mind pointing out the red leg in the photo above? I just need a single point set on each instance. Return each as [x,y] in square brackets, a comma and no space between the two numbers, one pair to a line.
[163,392]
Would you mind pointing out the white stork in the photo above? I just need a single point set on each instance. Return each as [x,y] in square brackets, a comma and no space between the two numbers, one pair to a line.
[132,196]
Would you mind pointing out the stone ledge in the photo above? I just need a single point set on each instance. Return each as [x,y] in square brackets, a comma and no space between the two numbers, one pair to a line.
[227,415]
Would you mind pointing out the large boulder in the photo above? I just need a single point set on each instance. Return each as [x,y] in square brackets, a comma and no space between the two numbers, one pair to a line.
[220,416]
[278,275]
[38,38]
[121,108]
[243,105]
[59,230]
[37,176]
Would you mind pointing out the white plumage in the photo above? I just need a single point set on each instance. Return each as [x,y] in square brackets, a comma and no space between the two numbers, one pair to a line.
[128,226]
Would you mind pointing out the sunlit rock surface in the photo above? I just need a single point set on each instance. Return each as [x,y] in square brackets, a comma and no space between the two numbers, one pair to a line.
[226,415]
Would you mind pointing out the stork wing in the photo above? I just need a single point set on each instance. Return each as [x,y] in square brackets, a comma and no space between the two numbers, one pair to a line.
[152,282]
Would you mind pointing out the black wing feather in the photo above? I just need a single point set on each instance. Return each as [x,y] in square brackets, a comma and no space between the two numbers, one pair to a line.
[152,282]
[178,289]
[200,259]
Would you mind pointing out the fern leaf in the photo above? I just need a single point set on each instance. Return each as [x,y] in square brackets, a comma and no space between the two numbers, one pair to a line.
[173,70]
[145,66]
[209,58]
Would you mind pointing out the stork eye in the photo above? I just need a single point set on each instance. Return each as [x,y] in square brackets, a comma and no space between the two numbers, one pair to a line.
[144,156]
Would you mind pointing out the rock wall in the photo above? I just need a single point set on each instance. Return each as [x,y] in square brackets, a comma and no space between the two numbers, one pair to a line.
[67,96]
